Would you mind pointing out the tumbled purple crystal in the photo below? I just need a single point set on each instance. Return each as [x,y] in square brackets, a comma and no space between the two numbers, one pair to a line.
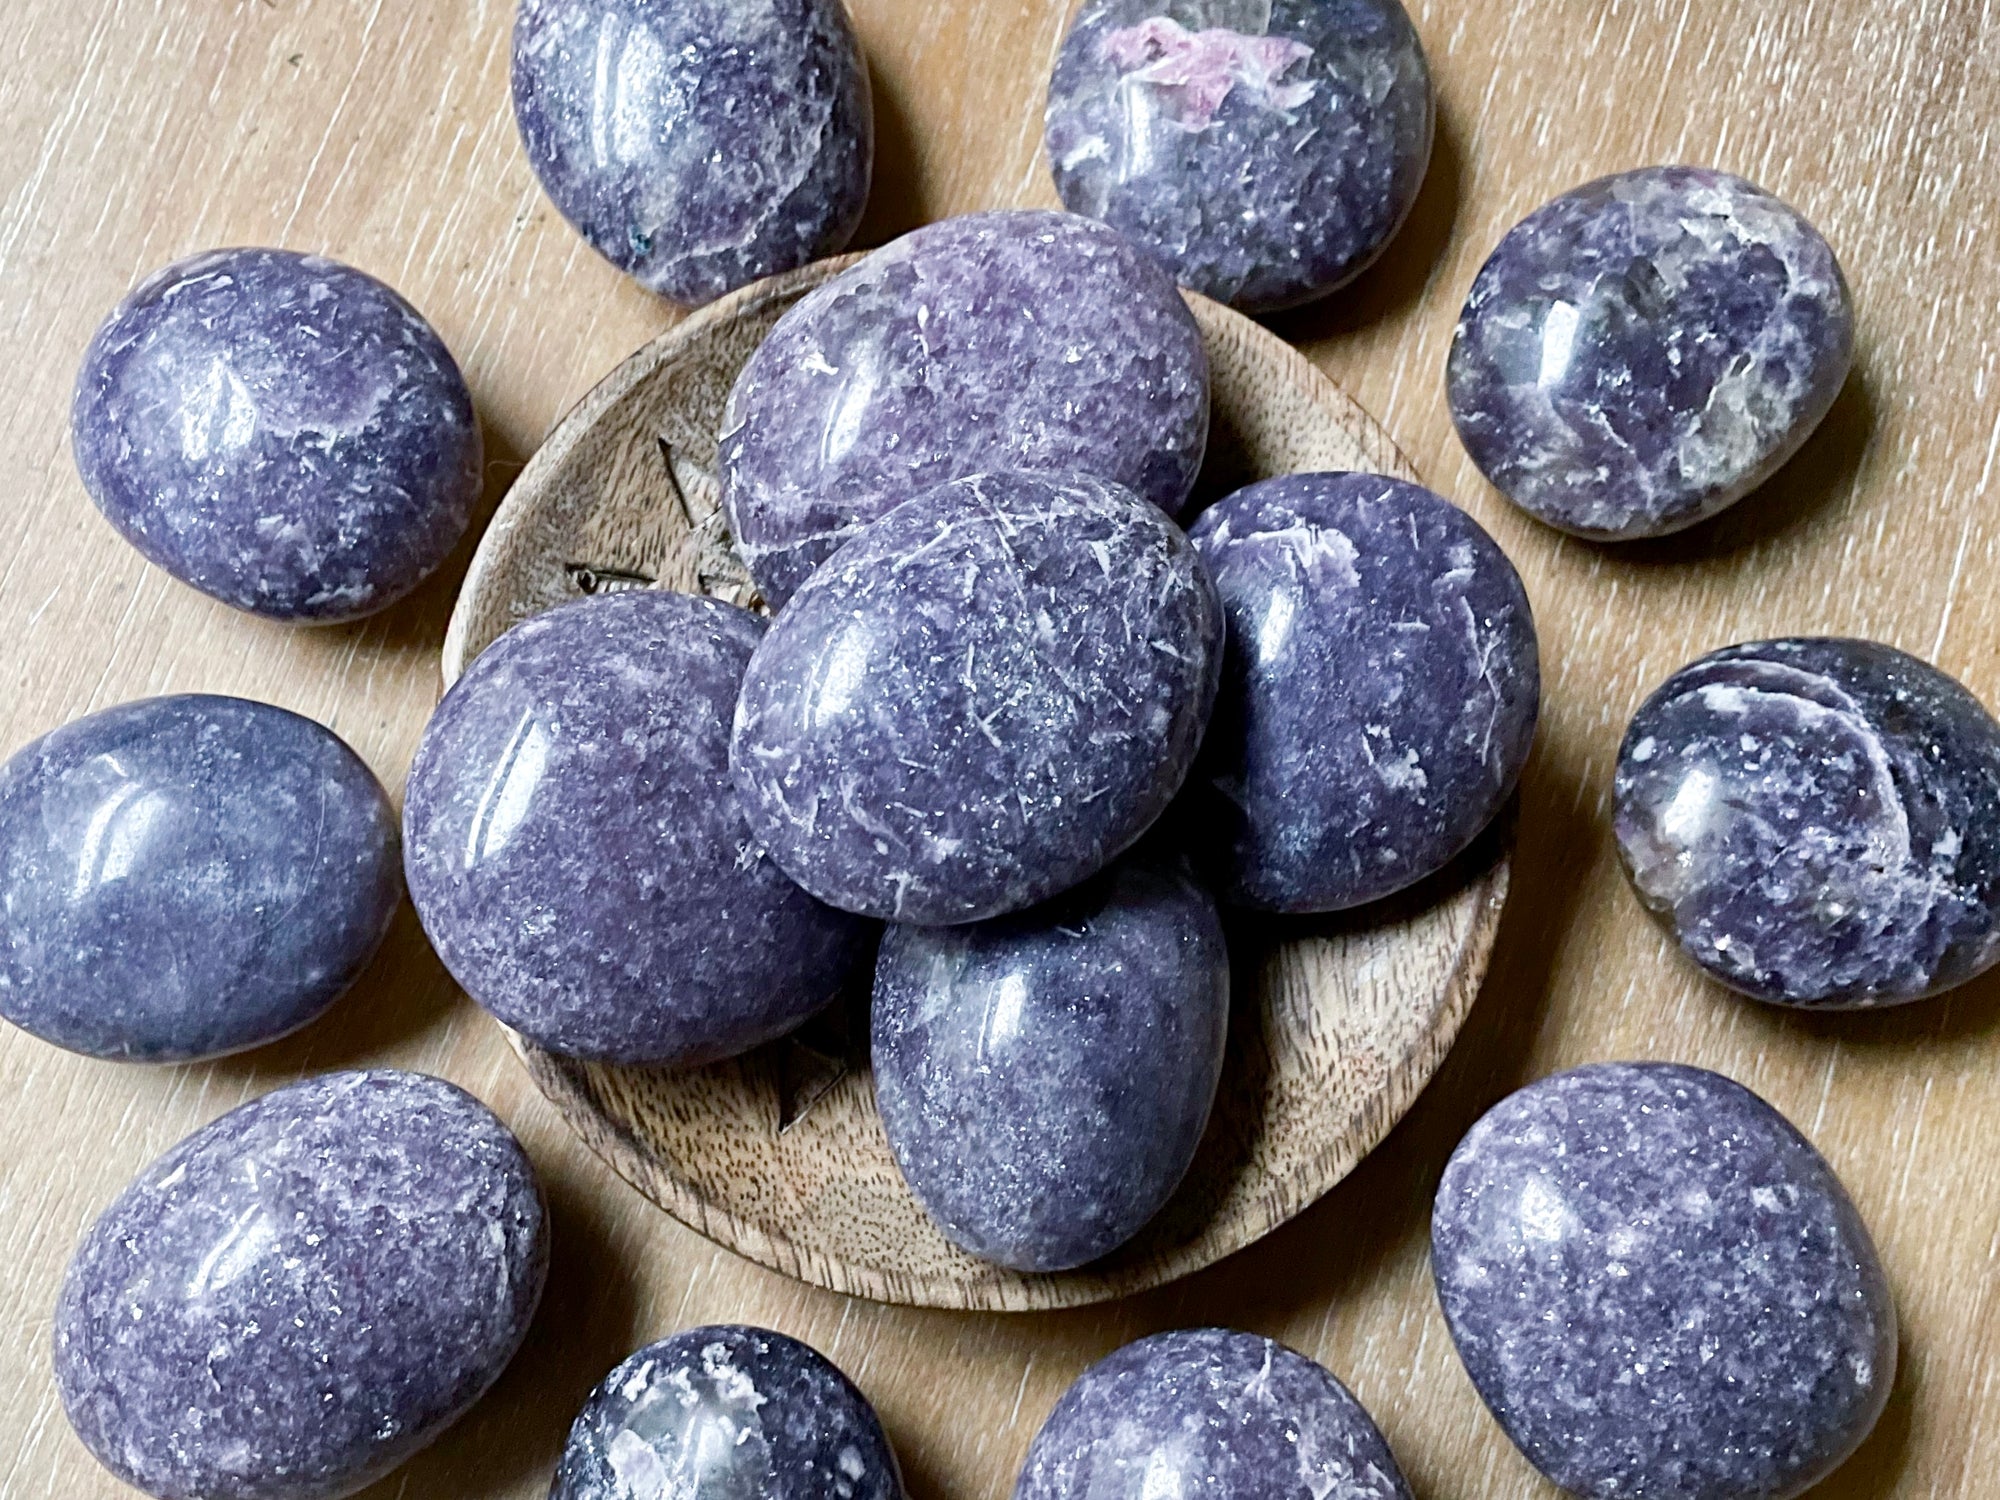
[1008,340]
[279,431]
[1644,351]
[1660,1288]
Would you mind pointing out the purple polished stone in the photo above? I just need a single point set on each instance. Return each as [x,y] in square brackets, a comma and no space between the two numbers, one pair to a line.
[1007,340]
[697,144]
[982,700]
[1644,351]
[298,1297]
[1817,821]
[1214,1414]
[279,431]
[1660,1288]
[1264,150]
[727,1413]
[579,857]
[186,877]
[1379,692]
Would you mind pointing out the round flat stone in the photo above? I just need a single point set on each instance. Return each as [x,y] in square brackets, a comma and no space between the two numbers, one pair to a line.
[1644,351]
[186,877]
[579,857]
[1264,150]
[295,1299]
[1817,821]
[697,144]
[982,700]
[1660,1288]
[279,431]
[1007,340]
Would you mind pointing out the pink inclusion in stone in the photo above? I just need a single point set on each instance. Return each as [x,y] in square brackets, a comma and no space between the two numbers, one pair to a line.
[1201,67]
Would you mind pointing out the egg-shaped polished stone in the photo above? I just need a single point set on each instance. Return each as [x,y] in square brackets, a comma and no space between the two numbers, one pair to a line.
[186,877]
[280,431]
[1660,1288]
[578,854]
[1006,340]
[1264,150]
[1644,351]
[1817,821]
[298,1297]
[697,144]
[982,700]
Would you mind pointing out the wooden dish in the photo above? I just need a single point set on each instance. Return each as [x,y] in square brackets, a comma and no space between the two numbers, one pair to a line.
[780,1156]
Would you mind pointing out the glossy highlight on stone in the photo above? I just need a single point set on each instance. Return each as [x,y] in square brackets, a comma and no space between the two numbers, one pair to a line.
[1660,1288]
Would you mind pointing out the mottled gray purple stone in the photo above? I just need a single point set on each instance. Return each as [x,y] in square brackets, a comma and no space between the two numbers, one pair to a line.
[1209,1414]
[697,144]
[282,432]
[1817,821]
[186,877]
[982,700]
[1264,150]
[727,1413]
[579,857]
[1660,1288]
[295,1299]
[1007,340]
[1379,691]
[1644,351]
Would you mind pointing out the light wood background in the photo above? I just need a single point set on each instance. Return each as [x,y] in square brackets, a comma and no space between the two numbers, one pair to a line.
[134,131]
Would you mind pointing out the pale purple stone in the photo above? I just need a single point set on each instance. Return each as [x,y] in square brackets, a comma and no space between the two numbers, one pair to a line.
[282,432]
[297,1298]
[1007,340]
[1660,1288]
[1644,351]
[578,855]
[982,700]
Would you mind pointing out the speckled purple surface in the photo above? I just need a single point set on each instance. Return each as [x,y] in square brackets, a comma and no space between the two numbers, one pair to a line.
[279,431]
[697,144]
[1817,821]
[1006,340]
[1214,1414]
[1660,1288]
[298,1297]
[1379,692]
[1264,150]
[983,699]
[185,877]
[1644,351]
[580,859]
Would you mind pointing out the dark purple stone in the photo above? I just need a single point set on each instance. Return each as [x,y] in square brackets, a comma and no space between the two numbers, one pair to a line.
[186,877]
[295,1299]
[1644,351]
[1817,821]
[279,431]
[697,144]
[1264,150]
[982,700]
[1008,340]
[1660,1288]
[579,857]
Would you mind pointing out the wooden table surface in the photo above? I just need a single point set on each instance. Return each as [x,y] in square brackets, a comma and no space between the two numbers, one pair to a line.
[136,131]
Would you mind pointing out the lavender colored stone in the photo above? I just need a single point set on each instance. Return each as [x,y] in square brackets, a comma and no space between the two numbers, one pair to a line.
[279,431]
[982,700]
[1644,351]
[295,1299]
[1009,340]
[1264,150]
[1660,1288]
[578,855]
[1817,822]
[697,144]
[186,877]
